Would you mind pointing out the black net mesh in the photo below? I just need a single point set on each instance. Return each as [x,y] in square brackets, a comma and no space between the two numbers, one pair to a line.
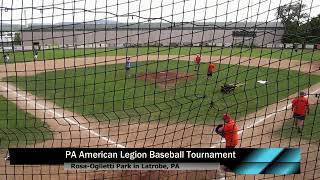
[143,73]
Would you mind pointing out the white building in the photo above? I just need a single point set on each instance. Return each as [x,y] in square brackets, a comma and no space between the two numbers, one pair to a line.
[7,36]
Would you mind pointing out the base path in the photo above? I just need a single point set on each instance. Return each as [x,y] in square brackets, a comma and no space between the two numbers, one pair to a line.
[30,68]
[73,130]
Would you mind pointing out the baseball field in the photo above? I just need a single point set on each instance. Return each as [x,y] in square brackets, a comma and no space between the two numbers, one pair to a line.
[163,102]
[103,91]
[19,128]
[160,90]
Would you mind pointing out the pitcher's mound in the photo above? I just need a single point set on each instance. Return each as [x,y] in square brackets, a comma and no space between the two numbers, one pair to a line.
[165,79]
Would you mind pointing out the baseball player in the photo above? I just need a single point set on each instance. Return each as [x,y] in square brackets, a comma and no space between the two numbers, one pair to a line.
[197,62]
[210,69]
[6,58]
[128,66]
[300,107]
[35,52]
[296,47]
[229,131]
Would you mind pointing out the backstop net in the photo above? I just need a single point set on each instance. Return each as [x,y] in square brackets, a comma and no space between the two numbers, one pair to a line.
[157,74]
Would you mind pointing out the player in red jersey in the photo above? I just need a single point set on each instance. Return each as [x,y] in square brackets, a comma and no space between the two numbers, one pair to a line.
[300,107]
[197,62]
[229,131]
[210,69]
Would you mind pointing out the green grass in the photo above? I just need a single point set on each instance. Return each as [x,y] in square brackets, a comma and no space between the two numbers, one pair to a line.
[103,92]
[20,128]
[217,51]
[311,129]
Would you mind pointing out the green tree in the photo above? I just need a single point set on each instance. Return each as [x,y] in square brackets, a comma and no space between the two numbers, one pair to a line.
[292,17]
[17,39]
[312,31]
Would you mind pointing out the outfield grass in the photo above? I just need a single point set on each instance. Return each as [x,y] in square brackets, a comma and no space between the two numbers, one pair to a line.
[245,52]
[20,128]
[103,91]
[311,129]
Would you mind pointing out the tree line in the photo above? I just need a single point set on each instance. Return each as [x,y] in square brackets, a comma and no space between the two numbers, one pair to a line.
[299,27]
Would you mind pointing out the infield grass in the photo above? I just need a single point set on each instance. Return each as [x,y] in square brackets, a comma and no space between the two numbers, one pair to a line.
[311,129]
[103,92]
[267,53]
[20,128]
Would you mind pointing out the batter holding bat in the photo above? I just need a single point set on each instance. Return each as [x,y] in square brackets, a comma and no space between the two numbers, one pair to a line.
[229,131]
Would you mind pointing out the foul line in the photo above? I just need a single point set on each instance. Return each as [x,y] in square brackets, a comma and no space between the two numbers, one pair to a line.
[42,107]
[260,120]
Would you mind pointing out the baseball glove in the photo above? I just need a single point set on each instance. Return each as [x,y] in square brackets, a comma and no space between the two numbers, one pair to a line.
[217,130]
